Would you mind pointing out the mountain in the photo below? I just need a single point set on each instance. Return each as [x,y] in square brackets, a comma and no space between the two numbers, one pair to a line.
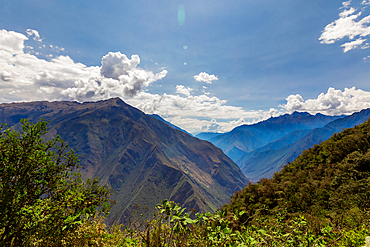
[207,136]
[168,123]
[142,158]
[264,162]
[326,183]
[247,138]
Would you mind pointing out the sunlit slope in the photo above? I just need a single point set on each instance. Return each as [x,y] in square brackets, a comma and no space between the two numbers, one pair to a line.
[329,180]
[142,158]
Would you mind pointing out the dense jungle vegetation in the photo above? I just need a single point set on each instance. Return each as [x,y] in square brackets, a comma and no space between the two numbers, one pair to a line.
[320,199]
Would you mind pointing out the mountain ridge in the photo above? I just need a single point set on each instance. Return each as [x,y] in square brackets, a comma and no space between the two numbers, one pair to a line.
[271,161]
[247,138]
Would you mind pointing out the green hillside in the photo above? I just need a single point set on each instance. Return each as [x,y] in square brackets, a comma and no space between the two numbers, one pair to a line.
[328,183]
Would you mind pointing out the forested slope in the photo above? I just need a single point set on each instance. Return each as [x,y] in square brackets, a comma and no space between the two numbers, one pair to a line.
[330,181]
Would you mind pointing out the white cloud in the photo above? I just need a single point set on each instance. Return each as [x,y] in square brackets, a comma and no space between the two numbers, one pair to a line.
[12,42]
[334,102]
[203,76]
[183,90]
[24,77]
[119,76]
[349,26]
[354,44]
[115,64]
[346,4]
[186,111]
[34,33]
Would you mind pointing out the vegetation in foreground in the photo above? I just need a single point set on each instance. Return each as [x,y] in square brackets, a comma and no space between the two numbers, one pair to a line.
[321,199]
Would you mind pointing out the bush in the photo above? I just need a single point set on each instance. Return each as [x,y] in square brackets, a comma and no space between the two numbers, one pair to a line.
[42,196]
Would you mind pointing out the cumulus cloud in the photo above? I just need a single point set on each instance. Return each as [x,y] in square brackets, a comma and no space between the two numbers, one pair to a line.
[348,25]
[115,64]
[183,90]
[333,102]
[12,42]
[25,77]
[203,76]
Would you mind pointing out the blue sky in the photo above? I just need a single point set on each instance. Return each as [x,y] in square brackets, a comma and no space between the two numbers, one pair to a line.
[202,65]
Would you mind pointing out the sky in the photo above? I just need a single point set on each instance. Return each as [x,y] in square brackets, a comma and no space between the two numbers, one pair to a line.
[205,66]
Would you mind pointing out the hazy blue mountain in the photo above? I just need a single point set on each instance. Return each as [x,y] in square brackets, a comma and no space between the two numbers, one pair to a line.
[247,138]
[207,136]
[142,158]
[260,163]
[275,145]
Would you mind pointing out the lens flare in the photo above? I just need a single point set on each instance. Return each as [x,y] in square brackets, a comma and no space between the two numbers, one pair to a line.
[181,15]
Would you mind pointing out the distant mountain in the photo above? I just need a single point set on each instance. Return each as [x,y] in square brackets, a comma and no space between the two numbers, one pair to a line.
[264,162]
[207,136]
[247,138]
[168,123]
[142,158]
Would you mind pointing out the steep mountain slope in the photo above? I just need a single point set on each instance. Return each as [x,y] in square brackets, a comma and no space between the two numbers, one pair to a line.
[142,158]
[168,123]
[327,182]
[247,138]
[259,164]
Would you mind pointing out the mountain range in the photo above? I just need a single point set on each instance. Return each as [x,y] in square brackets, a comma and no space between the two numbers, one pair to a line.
[263,148]
[142,158]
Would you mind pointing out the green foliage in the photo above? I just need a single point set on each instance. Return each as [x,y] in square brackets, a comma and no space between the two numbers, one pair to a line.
[328,183]
[42,197]
[216,230]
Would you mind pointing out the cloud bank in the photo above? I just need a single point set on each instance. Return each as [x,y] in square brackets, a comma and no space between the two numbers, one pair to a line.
[334,102]
[197,113]
[25,77]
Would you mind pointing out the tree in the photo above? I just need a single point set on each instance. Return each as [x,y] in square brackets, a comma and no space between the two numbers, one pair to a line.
[42,194]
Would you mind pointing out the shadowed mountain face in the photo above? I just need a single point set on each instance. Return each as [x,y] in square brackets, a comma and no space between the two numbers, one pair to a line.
[143,159]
